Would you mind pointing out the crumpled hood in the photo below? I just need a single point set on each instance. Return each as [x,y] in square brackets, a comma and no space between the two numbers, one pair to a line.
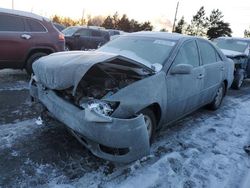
[232,54]
[63,70]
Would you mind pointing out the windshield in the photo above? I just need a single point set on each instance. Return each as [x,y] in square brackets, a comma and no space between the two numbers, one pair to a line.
[151,50]
[69,31]
[232,44]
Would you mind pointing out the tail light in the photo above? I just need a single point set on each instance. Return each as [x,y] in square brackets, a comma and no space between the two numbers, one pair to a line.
[61,36]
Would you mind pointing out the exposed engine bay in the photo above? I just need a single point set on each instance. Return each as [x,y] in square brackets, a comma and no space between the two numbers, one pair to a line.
[103,80]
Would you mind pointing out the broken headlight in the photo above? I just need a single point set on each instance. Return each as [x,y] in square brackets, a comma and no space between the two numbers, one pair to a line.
[101,107]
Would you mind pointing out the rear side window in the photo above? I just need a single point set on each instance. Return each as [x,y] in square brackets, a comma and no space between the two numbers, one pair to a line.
[188,54]
[208,53]
[96,34]
[11,23]
[35,26]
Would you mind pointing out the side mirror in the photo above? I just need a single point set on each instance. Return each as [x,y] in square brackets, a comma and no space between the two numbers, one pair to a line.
[77,35]
[182,69]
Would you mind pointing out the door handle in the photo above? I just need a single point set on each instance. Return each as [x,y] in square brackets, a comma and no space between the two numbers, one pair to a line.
[25,36]
[222,68]
[200,76]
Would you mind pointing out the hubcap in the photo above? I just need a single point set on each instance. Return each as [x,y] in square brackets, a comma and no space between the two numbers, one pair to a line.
[219,96]
[149,125]
[66,48]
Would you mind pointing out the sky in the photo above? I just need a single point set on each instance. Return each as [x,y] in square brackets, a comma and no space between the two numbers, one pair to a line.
[159,12]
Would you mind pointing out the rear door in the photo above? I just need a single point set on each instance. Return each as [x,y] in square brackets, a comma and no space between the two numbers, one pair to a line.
[13,42]
[37,32]
[214,70]
[183,90]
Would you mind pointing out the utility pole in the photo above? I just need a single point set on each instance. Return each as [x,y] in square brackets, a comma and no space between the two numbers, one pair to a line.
[12,4]
[175,16]
[83,11]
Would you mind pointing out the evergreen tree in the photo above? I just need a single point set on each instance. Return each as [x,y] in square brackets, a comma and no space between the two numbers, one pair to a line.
[247,33]
[198,24]
[146,26]
[180,26]
[108,23]
[124,24]
[216,26]
[115,20]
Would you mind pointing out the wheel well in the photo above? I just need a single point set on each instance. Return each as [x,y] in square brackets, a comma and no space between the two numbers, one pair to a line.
[69,45]
[47,51]
[226,84]
[155,107]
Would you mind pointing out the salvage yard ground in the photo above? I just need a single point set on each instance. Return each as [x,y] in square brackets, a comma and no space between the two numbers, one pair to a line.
[204,149]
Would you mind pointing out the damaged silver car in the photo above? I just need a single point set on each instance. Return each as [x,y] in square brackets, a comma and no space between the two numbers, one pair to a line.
[115,98]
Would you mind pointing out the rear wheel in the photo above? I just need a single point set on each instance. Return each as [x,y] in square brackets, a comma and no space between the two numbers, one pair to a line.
[32,59]
[215,104]
[150,121]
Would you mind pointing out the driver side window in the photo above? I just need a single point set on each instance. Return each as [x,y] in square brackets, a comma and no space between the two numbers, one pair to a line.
[188,54]
[84,32]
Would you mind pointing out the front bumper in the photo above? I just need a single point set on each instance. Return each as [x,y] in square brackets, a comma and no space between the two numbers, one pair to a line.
[118,140]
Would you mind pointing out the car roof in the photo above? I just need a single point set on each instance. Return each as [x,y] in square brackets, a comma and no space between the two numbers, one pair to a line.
[88,27]
[162,35]
[23,13]
[235,38]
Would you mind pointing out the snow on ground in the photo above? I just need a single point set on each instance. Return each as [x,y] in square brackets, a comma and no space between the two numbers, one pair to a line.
[201,151]
[13,80]
[11,133]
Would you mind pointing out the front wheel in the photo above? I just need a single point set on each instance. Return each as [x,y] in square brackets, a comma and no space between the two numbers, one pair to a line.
[238,80]
[220,93]
[67,48]
[31,60]
[150,121]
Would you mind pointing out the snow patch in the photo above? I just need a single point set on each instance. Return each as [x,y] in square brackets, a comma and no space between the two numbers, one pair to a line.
[39,121]
[10,133]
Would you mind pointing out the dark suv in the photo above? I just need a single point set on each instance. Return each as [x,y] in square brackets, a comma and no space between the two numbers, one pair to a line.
[85,38]
[25,37]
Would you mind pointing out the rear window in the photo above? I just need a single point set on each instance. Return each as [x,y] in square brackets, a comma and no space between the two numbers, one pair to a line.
[35,26]
[11,23]
[232,44]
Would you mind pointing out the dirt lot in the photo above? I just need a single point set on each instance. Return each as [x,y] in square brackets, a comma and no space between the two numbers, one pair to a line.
[203,150]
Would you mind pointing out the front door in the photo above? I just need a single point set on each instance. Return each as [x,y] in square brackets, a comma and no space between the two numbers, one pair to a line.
[183,90]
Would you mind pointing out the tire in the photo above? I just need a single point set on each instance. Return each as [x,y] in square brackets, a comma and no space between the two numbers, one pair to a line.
[150,121]
[238,80]
[31,60]
[220,93]
[67,48]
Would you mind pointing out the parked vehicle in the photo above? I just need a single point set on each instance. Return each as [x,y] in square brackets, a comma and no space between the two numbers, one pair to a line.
[115,98]
[60,27]
[114,32]
[25,37]
[237,49]
[84,38]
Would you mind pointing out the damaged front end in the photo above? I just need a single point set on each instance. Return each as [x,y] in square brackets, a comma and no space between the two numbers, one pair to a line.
[84,106]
